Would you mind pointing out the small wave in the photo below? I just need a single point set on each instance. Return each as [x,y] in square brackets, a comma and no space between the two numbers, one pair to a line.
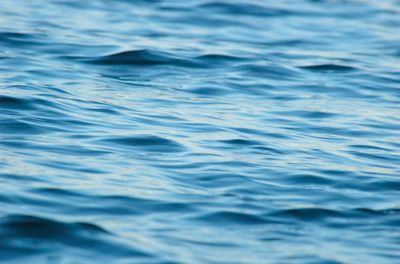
[302,179]
[121,205]
[34,226]
[241,142]
[229,218]
[329,68]
[16,39]
[145,143]
[308,114]
[218,59]
[318,214]
[314,214]
[13,126]
[247,9]
[141,58]
[270,71]
[207,90]
[147,57]
[10,102]
[382,185]
[24,103]
[27,235]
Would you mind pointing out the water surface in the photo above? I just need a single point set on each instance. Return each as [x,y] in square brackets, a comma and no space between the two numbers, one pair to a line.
[200,131]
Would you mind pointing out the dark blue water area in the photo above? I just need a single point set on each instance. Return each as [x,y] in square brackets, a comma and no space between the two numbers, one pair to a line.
[202,131]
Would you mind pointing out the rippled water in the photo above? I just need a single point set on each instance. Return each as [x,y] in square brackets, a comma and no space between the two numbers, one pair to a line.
[200,131]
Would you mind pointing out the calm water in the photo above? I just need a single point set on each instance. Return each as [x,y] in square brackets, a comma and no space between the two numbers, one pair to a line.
[202,131]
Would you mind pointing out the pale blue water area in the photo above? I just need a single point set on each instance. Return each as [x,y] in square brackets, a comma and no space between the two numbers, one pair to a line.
[200,131]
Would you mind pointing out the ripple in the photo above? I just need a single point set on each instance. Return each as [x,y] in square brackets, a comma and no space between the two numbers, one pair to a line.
[13,102]
[244,9]
[32,226]
[147,57]
[350,216]
[145,143]
[308,114]
[212,60]
[121,205]
[12,127]
[17,39]
[271,71]
[20,103]
[241,142]
[228,218]
[312,214]
[37,236]
[206,90]
[329,68]
[141,58]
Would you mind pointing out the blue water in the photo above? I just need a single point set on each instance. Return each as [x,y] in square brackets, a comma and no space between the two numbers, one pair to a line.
[202,131]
